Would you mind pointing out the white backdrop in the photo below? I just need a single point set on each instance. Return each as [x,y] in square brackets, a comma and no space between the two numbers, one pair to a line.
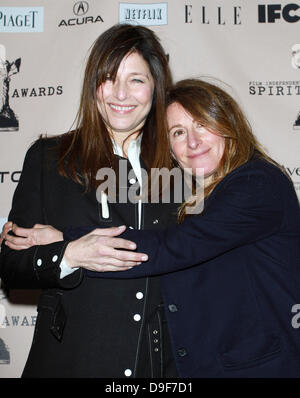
[252,46]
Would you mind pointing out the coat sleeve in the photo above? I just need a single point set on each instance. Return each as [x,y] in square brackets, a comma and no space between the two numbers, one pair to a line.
[246,208]
[34,267]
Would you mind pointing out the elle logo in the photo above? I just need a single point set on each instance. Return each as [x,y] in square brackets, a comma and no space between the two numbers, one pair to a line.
[232,13]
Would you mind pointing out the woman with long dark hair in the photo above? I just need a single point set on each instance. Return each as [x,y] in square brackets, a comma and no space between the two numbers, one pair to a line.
[88,327]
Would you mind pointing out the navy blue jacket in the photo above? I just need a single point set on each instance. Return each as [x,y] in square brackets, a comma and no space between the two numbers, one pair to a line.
[231,277]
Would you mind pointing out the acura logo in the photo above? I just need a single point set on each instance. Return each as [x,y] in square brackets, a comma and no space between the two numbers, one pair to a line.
[80,8]
[80,16]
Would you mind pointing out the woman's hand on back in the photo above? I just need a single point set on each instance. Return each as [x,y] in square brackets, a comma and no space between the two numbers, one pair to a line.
[25,238]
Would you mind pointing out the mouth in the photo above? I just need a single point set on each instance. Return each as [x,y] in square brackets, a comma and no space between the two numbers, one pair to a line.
[122,109]
[196,155]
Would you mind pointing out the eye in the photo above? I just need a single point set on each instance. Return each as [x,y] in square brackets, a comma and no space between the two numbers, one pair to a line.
[107,79]
[199,125]
[136,80]
[177,133]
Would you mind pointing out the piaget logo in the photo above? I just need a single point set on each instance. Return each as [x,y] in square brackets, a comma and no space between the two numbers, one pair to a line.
[21,19]
[144,14]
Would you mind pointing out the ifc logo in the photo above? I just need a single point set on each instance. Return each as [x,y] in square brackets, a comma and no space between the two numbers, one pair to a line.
[270,12]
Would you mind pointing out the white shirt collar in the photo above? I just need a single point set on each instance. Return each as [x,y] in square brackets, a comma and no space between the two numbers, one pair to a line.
[134,151]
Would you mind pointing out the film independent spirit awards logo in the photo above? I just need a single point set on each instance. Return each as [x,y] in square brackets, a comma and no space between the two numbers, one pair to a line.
[8,119]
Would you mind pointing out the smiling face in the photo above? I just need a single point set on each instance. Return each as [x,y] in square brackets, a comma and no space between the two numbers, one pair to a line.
[193,145]
[124,104]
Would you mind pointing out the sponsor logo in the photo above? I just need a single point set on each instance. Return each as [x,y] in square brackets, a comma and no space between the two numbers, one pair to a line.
[4,353]
[80,8]
[80,17]
[279,88]
[9,321]
[274,88]
[144,14]
[13,320]
[13,176]
[294,173]
[269,13]
[219,16]
[4,350]
[296,124]
[19,320]
[21,19]
[8,119]
[296,56]
[37,92]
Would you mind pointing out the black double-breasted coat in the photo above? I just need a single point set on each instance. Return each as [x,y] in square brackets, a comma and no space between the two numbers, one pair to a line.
[85,327]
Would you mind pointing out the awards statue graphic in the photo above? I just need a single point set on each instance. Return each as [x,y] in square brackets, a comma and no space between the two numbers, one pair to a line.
[8,120]
[4,350]
[296,65]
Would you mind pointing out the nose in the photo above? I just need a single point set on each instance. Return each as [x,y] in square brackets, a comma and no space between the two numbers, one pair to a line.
[193,139]
[120,90]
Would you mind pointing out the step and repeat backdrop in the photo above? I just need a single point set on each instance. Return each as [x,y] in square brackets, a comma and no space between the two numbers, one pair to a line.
[252,48]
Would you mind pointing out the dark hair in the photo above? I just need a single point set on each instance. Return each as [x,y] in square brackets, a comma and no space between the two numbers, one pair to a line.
[88,148]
